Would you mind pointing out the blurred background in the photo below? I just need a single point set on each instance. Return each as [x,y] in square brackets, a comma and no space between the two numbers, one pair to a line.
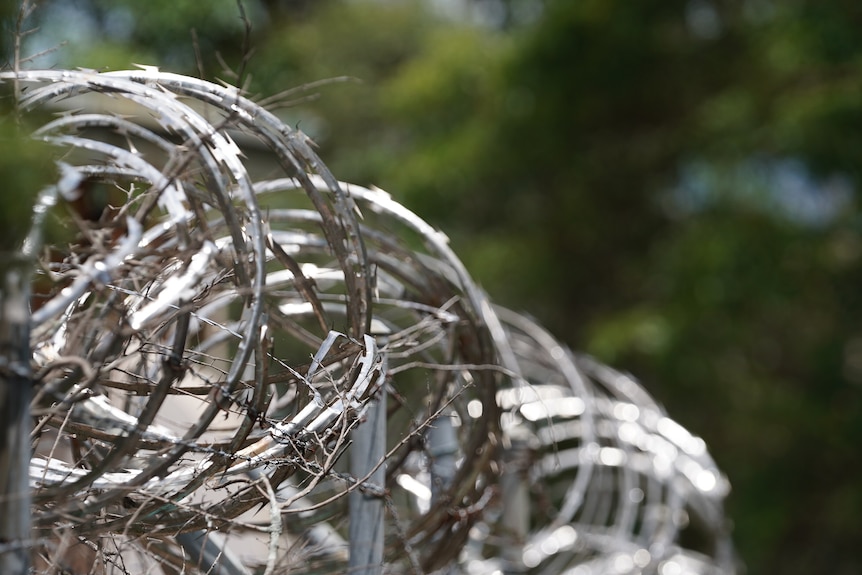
[670,185]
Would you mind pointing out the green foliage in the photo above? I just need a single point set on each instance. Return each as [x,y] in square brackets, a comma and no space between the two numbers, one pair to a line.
[365,43]
[25,168]
[105,35]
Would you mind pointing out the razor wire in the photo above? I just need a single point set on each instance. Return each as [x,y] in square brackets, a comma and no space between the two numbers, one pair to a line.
[213,331]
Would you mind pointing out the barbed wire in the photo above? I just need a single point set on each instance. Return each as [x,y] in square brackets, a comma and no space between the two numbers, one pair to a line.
[223,317]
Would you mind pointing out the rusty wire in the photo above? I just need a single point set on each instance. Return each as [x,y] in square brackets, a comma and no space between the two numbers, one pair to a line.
[207,337]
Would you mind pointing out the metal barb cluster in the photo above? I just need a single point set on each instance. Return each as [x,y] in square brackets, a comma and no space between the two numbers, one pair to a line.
[214,319]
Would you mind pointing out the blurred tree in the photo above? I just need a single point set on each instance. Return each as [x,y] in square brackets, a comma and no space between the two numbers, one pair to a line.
[669,184]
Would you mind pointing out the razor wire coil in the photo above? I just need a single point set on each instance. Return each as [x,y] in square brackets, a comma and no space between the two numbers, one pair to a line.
[210,335]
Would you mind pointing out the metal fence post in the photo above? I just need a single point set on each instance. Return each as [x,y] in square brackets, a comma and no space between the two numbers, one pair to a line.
[443,448]
[15,395]
[366,528]
[515,488]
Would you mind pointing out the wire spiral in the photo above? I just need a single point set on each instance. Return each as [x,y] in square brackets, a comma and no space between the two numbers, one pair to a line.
[220,316]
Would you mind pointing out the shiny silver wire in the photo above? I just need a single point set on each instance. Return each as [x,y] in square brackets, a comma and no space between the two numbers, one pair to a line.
[214,315]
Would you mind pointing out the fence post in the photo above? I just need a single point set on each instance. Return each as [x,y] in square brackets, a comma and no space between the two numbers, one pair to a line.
[443,448]
[515,488]
[365,532]
[15,394]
